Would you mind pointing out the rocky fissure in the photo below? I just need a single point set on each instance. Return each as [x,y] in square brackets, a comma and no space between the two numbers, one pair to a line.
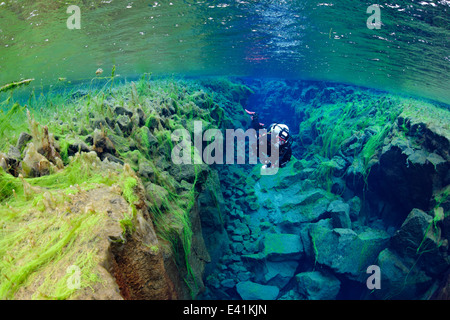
[311,231]
[368,184]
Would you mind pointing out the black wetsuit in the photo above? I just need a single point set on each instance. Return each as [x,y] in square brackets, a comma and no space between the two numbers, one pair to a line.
[285,150]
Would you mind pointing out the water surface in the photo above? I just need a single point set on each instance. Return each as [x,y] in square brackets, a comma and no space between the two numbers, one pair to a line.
[304,39]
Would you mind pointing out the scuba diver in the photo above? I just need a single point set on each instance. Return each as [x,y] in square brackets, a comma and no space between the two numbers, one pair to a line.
[282,141]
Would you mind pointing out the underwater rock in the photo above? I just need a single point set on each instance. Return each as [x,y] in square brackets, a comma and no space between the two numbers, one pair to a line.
[346,251]
[340,214]
[188,172]
[34,164]
[119,111]
[125,124]
[238,228]
[443,291]
[291,295]
[254,291]
[355,208]
[279,273]
[146,169]
[120,144]
[237,247]
[338,166]
[98,123]
[414,162]
[24,138]
[316,285]
[419,237]
[10,162]
[48,148]
[281,247]
[291,221]
[111,158]
[401,279]
[146,138]
[77,146]
[212,209]
[141,117]
[102,144]
[354,177]
[413,230]
[156,194]
[13,153]
[302,199]
[79,94]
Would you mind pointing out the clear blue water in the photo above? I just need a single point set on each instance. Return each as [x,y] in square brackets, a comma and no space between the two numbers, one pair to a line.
[319,54]
[326,40]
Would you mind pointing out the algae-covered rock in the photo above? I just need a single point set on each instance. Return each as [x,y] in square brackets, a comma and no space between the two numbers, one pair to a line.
[34,164]
[77,145]
[119,111]
[125,124]
[146,169]
[102,144]
[23,139]
[413,230]
[156,194]
[419,236]
[346,251]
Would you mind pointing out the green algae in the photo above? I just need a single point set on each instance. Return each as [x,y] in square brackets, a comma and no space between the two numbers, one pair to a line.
[70,119]
[333,125]
[39,233]
[13,85]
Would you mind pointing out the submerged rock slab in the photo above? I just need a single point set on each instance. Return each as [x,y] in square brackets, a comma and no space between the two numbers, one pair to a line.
[254,291]
[279,247]
[316,285]
[279,273]
[345,251]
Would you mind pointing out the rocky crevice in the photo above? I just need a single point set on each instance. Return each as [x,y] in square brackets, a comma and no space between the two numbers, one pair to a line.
[378,196]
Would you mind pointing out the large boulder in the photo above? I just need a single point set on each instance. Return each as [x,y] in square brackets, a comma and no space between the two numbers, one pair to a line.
[400,277]
[420,238]
[345,251]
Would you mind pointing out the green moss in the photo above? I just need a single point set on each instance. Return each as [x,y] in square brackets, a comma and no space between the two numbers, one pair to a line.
[127,225]
[66,114]
[128,191]
[36,236]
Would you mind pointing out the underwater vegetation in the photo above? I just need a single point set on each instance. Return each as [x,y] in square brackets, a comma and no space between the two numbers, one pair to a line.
[117,140]
[92,207]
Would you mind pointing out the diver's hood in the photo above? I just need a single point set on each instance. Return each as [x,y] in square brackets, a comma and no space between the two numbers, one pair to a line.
[280,130]
[277,128]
